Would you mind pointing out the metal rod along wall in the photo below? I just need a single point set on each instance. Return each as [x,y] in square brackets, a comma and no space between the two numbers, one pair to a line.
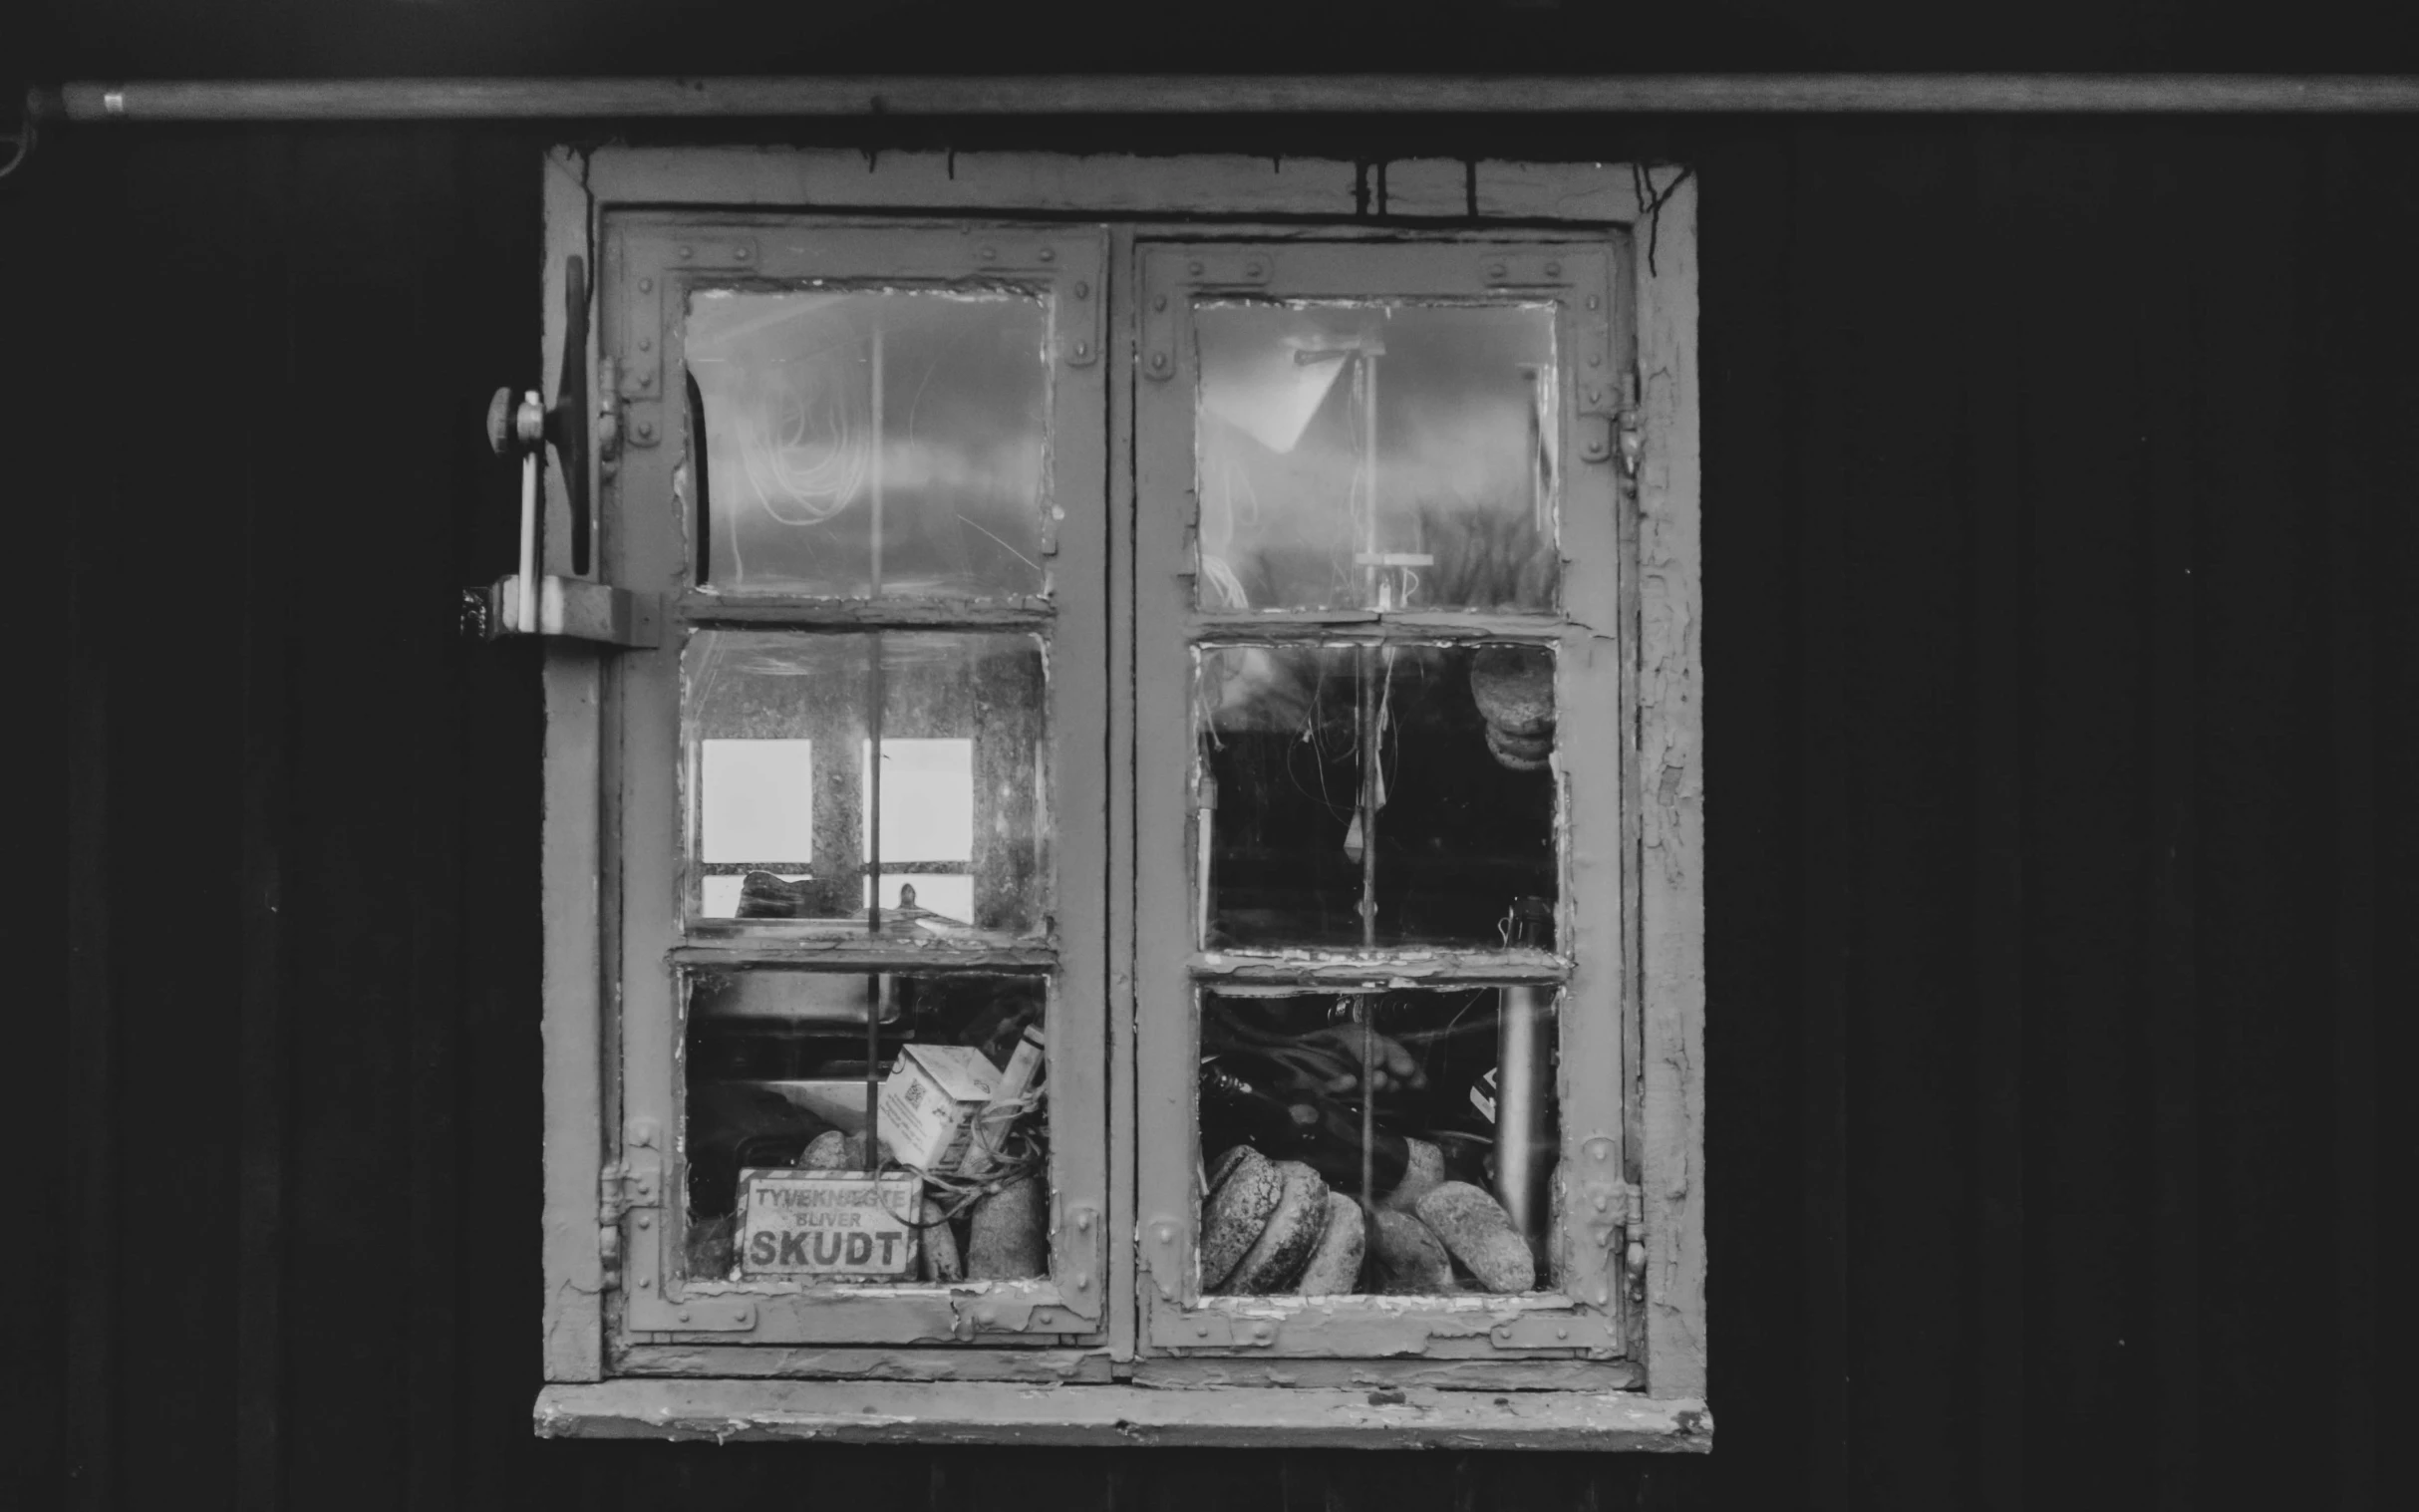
[1205,94]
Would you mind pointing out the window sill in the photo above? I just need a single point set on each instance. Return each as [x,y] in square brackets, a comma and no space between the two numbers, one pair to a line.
[1073,1415]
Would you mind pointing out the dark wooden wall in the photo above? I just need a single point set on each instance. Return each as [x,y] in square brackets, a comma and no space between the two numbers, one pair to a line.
[2062,547]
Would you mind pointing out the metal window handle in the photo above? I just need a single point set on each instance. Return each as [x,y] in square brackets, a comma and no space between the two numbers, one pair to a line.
[529,601]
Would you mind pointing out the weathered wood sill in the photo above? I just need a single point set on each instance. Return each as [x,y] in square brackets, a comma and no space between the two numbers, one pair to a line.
[1000,1412]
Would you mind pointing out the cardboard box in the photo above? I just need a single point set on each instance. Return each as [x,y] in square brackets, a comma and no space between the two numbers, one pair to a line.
[930,1101]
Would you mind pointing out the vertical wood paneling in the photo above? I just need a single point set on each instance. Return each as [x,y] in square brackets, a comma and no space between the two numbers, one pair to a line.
[90,1358]
[1998,481]
[1821,861]
[1906,743]
[2168,339]
[172,533]
[2079,562]
[2371,213]
[2262,991]
[1757,1014]
[264,698]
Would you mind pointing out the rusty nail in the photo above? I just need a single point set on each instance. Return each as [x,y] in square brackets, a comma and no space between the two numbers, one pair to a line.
[1201,1331]
[1159,361]
[645,1222]
[739,254]
[645,380]
[1254,268]
[1047,254]
[1553,270]
[1590,301]
[1194,268]
[646,1283]
[645,286]
[685,253]
[1084,1283]
[1159,303]
[683,1315]
[646,343]
[1562,1332]
[646,430]
[1596,359]
[1083,290]
[1496,270]
[1084,349]
[988,254]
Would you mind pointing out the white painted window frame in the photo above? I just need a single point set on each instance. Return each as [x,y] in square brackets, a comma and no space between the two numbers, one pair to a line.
[1661,783]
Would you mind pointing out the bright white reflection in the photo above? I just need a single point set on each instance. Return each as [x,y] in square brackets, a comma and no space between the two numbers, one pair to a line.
[928,801]
[756,803]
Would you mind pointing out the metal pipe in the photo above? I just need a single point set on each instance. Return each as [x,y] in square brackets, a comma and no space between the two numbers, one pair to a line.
[1523,1024]
[1524,1086]
[525,99]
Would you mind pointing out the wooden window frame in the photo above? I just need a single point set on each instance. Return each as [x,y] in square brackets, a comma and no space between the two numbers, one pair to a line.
[1109,1384]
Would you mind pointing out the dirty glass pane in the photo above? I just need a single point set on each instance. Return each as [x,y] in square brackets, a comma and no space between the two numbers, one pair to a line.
[1377,455]
[777,1066]
[782,776]
[1397,1142]
[1417,779]
[870,442]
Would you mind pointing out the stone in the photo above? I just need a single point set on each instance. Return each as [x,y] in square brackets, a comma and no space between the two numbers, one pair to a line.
[1479,1233]
[1335,1265]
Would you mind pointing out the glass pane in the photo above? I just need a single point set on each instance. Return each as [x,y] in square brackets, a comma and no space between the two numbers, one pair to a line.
[781,778]
[779,1066]
[871,443]
[1413,779]
[1377,455]
[1434,1181]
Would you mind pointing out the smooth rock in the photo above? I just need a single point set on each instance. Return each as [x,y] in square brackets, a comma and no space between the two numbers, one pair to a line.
[1274,1261]
[1411,1259]
[1480,1233]
[1335,1265]
[1008,1239]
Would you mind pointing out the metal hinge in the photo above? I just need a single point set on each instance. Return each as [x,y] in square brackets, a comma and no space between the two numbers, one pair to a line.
[632,1182]
[1162,1243]
[1631,425]
[1614,1212]
[1081,1247]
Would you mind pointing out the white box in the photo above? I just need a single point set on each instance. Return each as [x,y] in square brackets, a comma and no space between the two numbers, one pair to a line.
[929,1103]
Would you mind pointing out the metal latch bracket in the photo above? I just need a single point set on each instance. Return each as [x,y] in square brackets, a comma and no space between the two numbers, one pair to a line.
[564,608]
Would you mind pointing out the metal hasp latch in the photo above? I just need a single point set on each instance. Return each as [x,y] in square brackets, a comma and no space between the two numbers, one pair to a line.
[526,602]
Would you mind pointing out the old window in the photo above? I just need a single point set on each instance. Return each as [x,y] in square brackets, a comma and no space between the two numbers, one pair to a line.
[1122,862]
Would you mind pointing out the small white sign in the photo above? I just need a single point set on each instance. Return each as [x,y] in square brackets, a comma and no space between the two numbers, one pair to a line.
[836,1224]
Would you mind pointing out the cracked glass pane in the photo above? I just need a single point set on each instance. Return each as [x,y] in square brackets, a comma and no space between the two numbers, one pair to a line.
[1375,794]
[1376,455]
[870,442]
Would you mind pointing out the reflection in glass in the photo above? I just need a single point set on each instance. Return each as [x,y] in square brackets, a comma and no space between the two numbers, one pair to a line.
[1365,794]
[777,1068]
[871,443]
[1377,1141]
[782,776]
[1377,455]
